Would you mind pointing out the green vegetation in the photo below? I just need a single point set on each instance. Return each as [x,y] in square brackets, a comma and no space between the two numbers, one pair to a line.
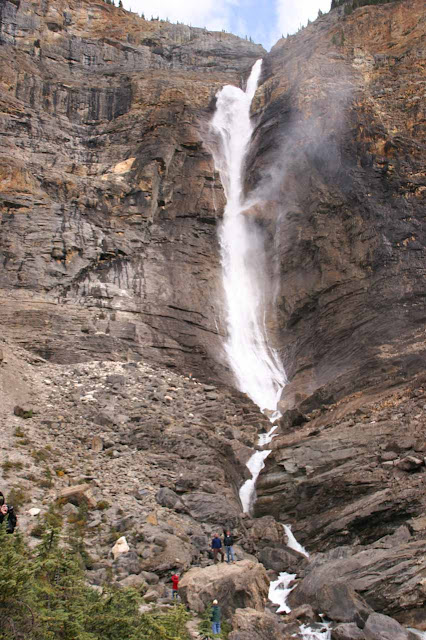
[44,596]
[205,626]
[8,465]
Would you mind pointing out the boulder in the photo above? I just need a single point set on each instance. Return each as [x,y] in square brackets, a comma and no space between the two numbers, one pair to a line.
[282,560]
[133,580]
[167,552]
[381,627]
[337,600]
[120,547]
[240,585]
[410,463]
[210,507]
[168,498]
[347,631]
[77,494]
[150,578]
[303,613]
[23,411]
[127,562]
[249,624]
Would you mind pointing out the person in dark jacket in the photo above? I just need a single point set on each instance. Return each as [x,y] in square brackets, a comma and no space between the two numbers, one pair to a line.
[215,617]
[228,541]
[5,510]
[217,547]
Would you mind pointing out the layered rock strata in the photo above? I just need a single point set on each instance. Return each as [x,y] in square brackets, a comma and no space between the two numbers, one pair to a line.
[109,200]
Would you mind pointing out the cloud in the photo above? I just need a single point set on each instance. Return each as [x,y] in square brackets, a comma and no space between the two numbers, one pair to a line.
[213,14]
[292,14]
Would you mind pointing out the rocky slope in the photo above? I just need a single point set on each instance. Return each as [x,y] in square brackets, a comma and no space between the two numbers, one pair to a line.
[111,303]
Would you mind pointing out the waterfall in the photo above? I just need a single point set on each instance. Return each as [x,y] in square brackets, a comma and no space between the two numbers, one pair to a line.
[246,283]
[247,288]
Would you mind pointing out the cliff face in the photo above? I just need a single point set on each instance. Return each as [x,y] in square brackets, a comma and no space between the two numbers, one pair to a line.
[109,204]
[339,150]
[108,199]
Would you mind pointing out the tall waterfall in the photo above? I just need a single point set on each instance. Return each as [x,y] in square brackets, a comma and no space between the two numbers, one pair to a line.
[246,283]
[247,287]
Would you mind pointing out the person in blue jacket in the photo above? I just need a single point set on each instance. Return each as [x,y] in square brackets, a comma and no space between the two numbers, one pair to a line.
[217,547]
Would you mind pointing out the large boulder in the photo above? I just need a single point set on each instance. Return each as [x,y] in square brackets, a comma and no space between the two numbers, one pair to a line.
[282,560]
[166,552]
[380,627]
[240,585]
[210,507]
[375,573]
[337,600]
[249,624]
[168,498]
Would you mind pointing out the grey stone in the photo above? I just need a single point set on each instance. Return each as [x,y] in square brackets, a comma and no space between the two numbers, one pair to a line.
[381,627]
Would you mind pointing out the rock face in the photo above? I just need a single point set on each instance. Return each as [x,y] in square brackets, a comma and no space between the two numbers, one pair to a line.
[109,200]
[338,163]
[244,584]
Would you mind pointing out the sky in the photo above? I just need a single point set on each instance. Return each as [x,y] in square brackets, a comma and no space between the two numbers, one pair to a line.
[265,21]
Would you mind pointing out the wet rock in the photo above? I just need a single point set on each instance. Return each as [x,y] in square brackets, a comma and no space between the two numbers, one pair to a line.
[282,560]
[337,600]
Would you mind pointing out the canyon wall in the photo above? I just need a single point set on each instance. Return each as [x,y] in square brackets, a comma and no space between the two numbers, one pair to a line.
[338,166]
[108,198]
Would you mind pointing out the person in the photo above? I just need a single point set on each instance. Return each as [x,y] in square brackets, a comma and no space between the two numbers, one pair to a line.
[175,581]
[215,617]
[228,541]
[217,547]
[5,510]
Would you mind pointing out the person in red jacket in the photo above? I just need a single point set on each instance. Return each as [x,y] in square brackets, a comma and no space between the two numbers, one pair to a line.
[175,581]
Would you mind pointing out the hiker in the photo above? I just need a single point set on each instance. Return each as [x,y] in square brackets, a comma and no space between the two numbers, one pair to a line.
[9,511]
[228,541]
[215,617]
[217,547]
[175,581]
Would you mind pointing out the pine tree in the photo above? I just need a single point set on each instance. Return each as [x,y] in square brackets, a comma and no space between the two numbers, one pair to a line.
[15,579]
